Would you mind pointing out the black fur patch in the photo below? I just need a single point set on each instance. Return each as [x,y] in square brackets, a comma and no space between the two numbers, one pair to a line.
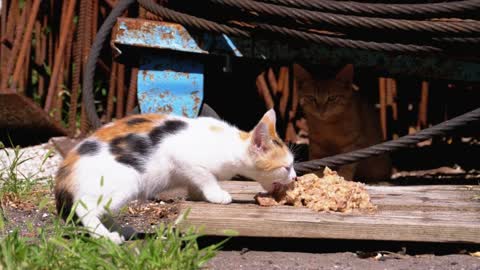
[168,128]
[118,146]
[133,161]
[137,120]
[138,144]
[131,150]
[88,148]
[64,202]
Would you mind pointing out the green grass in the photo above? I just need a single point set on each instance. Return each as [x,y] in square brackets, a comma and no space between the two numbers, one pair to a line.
[61,245]
[67,248]
[12,180]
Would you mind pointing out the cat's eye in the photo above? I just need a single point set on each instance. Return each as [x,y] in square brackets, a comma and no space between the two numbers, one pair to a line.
[332,98]
[288,168]
[277,142]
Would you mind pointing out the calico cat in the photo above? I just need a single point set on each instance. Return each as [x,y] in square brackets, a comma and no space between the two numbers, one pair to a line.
[141,155]
[340,120]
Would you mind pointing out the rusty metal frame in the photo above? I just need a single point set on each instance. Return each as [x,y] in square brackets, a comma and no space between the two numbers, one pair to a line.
[172,84]
[385,64]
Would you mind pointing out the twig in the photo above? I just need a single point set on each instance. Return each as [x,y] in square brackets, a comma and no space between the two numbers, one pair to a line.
[263,90]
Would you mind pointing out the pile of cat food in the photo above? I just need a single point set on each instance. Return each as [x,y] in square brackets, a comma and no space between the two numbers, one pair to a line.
[330,193]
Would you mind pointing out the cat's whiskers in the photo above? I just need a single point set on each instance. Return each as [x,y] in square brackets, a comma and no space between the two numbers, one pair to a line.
[294,148]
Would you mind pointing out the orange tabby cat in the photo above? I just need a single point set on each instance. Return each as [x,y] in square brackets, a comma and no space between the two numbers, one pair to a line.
[340,120]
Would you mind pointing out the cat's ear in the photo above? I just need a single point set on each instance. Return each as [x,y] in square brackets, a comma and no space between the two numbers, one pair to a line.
[301,74]
[269,117]
[260,137]
[346,74]
[261,132]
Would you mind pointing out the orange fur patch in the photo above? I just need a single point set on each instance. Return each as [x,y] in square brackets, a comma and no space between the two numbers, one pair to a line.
[150,116]
[244,135]
[271,130]
[215,128]
[64,185]
[271,127]
[274,158]
[64,176]
[121,127]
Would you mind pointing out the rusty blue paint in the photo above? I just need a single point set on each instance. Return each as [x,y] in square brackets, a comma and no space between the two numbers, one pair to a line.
[170,85]
[145,33]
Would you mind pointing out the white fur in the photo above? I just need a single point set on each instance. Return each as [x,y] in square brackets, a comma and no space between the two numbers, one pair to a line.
[195,158]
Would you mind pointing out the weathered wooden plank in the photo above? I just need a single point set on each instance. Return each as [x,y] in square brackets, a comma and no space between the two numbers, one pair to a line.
[458,197]
[250,186]
[445,214]
[251,220]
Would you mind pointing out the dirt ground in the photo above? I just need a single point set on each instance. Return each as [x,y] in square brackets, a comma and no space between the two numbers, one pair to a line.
[269,254]
[144,217]
[342,261]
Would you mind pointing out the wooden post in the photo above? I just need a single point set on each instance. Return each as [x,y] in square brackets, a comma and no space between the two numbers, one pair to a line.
[383,106]
[423,106]
[263,90]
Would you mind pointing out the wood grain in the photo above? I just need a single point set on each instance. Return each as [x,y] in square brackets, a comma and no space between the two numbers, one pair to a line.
[407,213]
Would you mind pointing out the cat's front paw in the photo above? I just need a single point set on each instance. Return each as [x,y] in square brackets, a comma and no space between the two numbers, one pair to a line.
[218,196]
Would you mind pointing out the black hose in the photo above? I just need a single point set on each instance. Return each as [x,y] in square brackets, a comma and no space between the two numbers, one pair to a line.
[89,72]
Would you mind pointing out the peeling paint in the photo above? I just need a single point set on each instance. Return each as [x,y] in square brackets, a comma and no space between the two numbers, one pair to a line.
[170,85]
[154,34]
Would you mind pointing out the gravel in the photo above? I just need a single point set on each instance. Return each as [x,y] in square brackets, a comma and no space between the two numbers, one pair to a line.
[39,162]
